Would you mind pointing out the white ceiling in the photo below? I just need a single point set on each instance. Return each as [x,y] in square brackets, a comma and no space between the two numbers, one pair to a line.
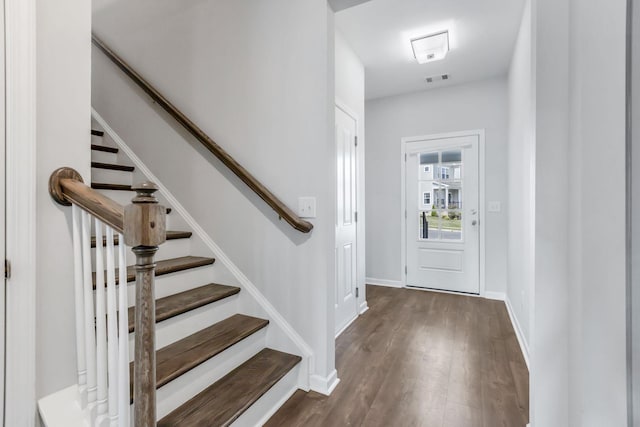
[482,37]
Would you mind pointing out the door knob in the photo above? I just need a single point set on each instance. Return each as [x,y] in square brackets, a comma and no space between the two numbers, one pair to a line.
[474,222]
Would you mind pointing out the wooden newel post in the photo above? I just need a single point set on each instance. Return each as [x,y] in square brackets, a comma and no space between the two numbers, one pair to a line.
[145,230]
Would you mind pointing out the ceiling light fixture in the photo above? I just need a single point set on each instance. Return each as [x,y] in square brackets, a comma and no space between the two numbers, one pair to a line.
[433,47]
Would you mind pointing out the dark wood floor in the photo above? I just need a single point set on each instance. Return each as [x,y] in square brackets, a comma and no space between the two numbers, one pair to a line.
[421,359]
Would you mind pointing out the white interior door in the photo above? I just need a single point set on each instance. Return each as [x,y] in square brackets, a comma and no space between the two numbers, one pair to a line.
[346,236]
[442,211]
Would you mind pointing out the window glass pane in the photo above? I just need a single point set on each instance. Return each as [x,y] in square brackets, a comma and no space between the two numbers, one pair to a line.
[451,156]
[429,228]
[429,158]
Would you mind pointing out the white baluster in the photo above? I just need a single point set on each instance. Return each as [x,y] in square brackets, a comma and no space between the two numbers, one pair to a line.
[101,330]
[112,330]
[79,305]
[89,317]
[123,359]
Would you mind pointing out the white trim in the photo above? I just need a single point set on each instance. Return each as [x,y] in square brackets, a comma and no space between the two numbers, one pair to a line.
[480,133]
[524,346]
[384,282]
[20,385]
[364,307]
[243,280]
[325,385]
[522,341]
[344,328]
[360,247]
[498,296]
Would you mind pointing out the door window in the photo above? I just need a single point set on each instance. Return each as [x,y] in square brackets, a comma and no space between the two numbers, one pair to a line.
[441,218]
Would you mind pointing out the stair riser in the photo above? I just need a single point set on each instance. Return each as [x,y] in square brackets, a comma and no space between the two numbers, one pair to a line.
[111,176]
[181,281]
[102,157]
[260,412]
[178,391]
[176,328]
[169,249]
[98,140]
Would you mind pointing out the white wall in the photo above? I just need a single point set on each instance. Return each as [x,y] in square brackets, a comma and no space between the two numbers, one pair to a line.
[598,351]
[480,105]
[521,176]
[578,337]
[349,82]
[257,76]
[63,139]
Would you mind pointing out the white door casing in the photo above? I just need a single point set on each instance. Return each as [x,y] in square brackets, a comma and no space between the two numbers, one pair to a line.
[3,161]
[346,303]
[442,179]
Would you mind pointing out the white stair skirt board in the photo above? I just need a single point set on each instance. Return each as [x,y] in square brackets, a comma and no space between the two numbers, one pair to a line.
[280,331]
[384,282]
[325,385]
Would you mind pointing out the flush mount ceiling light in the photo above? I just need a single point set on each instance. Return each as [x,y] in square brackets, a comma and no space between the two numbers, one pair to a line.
[431,48]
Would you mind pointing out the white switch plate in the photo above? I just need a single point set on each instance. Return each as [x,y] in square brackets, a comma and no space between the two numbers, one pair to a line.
[495,207]
[307,207]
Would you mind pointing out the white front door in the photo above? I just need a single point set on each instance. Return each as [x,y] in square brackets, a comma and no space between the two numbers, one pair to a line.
[345,292]
[442,214]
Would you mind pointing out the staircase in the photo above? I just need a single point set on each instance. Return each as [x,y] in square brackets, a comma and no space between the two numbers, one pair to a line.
[212,363]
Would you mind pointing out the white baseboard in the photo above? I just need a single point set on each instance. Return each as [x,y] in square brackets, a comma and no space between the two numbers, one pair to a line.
[363,307]
[499,296]
[384,282]
[325,385]
[524,346]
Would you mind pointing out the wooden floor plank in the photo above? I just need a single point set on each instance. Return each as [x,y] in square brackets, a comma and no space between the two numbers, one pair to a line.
[421,359]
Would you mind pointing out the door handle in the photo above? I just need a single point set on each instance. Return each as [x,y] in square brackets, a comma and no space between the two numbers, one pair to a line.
[474,222]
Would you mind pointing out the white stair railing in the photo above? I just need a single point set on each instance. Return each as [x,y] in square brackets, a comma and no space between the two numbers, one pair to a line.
[101,306]
[102,340]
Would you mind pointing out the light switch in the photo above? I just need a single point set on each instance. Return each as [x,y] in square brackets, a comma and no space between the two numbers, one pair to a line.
[307,207]
[495,207]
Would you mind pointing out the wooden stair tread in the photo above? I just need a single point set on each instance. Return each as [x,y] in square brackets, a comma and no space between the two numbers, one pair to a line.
[184,355]
[223,402]
[166,266]
[97,132]
[183,302]
[96,147]
[104,186]
[171,235]
[111,166]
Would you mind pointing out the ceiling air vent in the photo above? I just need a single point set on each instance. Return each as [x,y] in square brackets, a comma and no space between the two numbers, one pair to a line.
[438,78]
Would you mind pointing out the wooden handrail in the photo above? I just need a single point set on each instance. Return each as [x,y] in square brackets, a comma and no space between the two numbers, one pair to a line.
[276,204]
[66,187]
